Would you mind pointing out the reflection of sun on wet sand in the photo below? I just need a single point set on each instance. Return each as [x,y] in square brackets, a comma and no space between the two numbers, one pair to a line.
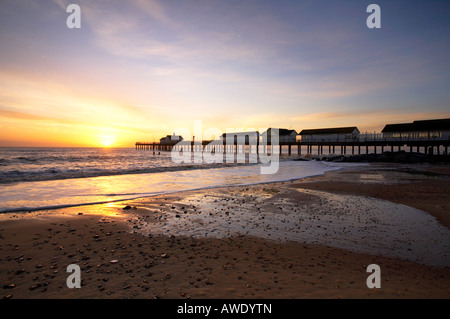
[284,240]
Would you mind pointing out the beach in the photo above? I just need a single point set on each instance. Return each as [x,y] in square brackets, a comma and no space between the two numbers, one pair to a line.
[224,150]
[309,238]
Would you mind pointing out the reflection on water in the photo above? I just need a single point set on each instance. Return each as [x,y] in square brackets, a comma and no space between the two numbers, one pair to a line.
[44,194]
[357,223]
[372,178]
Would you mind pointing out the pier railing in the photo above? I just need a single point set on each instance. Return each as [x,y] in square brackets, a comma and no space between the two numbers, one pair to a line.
[373,137]
[366,142]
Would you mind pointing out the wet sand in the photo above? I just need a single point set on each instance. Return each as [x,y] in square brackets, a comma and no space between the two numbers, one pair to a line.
[148,252]
[425,187]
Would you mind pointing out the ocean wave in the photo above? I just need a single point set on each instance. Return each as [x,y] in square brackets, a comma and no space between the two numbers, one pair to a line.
[47,174]
[86,191]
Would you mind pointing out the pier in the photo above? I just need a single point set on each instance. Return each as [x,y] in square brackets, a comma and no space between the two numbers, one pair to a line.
[430,137]
[431,146]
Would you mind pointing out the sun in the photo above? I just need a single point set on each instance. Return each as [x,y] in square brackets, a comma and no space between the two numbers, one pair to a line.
[107,141]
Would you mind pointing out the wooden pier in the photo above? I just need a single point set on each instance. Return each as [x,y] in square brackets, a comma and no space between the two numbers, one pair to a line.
[351,147]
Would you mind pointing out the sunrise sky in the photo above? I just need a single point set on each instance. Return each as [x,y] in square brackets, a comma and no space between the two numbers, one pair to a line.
[139,69]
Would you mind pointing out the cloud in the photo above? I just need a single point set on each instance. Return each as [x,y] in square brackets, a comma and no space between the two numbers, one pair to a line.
[130,34]
[154,10]
[191,57]
[31,117]
[62,4]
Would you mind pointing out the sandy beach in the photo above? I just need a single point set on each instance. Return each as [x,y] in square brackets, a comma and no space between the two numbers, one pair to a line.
[311,238]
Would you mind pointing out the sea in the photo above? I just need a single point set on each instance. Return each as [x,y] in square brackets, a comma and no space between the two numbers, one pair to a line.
[50,178]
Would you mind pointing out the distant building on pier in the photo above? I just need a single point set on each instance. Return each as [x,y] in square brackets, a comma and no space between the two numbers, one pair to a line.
[284,135]
[337,134]
[425,129]
[171,139]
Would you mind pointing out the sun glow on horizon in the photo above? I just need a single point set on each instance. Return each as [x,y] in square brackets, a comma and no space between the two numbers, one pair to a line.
[107,140]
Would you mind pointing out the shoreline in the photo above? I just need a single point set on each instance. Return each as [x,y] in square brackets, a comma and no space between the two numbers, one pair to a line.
[96,198]
[36,249]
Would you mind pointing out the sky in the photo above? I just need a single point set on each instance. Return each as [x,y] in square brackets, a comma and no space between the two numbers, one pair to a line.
[141,69]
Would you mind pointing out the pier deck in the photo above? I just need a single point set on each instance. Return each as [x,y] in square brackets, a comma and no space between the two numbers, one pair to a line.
[427,146]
